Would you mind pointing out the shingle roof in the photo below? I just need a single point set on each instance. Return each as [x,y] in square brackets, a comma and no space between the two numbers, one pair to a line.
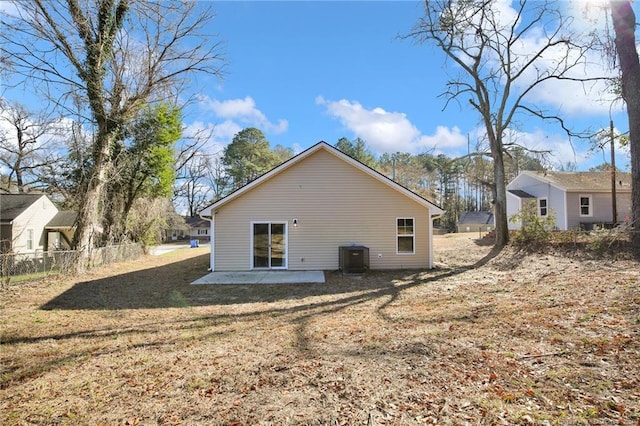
[63,219]
[196,222]
[476,218]
[13,205]
[585,181]
[520,193]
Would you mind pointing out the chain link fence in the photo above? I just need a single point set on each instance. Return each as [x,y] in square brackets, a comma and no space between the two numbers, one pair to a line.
[20,267]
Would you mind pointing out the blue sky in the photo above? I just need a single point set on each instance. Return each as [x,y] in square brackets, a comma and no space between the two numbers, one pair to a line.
[305,71]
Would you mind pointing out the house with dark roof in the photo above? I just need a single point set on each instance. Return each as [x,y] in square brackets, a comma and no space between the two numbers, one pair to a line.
[573,199]
[198,228]
[476,222]
[32,222]
[23,218]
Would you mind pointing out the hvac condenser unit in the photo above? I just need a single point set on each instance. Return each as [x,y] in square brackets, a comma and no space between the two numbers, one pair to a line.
[354,259]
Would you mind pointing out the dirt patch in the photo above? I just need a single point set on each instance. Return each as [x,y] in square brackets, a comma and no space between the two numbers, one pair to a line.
[484,338]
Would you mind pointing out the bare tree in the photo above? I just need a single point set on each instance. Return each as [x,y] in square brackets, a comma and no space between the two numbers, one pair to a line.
[192,184]
[498,71]
[624,23]
[117,56]
[28,144]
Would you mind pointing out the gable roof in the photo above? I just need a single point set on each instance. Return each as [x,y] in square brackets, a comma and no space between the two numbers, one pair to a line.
[13,205]
[196,222]
[476,218]
[435,210]
[584,181]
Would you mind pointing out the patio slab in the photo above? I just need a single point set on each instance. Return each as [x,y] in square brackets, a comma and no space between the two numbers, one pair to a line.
[262,277]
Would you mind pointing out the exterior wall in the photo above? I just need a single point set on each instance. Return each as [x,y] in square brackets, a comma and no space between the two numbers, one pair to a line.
[334,204]
[35,217]
[623,206]
[475,227]
[555,198]
[601,208]
[514,204]
[5,238]
[199,234]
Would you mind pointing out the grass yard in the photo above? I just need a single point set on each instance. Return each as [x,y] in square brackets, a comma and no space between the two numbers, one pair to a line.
[517,338]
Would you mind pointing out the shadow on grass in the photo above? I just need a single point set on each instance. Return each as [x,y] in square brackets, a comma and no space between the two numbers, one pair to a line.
[169,286]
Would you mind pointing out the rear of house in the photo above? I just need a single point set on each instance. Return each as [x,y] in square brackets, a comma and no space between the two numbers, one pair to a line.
[298,215]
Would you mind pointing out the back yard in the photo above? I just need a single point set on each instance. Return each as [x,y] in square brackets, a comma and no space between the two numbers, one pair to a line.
[509,339]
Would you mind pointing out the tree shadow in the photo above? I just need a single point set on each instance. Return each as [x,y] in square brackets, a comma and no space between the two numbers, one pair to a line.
[169,286]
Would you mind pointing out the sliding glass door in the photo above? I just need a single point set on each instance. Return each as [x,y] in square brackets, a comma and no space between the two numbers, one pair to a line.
[269,245]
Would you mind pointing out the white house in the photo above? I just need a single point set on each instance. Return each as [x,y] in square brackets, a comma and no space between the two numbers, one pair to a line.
[23,221]
[299,214]
[576,199]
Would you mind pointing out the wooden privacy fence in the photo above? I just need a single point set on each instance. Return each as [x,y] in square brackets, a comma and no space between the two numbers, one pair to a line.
[30,266]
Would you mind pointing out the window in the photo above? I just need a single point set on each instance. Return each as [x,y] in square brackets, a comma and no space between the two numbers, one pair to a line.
[405,236]
[542,207]
[203,231]
[29,239]
[585,205]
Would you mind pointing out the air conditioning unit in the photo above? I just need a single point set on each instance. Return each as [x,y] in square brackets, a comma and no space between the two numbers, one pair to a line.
[353,259]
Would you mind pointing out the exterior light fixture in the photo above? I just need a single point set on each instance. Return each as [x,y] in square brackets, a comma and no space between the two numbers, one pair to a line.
[295,223]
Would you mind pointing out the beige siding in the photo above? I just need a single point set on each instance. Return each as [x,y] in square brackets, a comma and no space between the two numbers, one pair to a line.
[335,204]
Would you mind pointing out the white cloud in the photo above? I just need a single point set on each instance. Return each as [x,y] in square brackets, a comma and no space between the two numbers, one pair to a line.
[389,131]
[218,136]
[244,113]
[9,9]
[581,18]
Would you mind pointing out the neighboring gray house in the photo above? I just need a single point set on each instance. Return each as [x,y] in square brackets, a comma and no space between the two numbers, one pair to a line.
[299,214]
[476,222]
[198,228]
[23,221]
[576,199]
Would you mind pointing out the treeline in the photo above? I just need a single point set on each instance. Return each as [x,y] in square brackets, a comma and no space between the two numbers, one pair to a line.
[455,184]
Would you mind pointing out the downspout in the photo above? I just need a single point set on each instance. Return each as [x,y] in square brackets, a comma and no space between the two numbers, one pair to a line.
[212,242]
[431,219]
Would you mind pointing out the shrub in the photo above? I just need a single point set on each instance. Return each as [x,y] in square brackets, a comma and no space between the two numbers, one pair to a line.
[534,228]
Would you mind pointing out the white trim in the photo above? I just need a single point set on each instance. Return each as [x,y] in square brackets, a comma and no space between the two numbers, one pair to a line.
[546,207]
[566,210]
[433,209]
[286,244]
[430,233]
[30,239]
[212,244]
[413,235]
[590,198]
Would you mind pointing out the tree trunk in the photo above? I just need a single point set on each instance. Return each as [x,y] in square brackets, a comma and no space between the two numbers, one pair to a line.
[500,198]
[90,214]
[624,21]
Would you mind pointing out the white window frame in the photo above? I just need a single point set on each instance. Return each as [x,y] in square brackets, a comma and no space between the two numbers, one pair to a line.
[413,235]
[286,244]
[590,205]
[30,238]
[546,207]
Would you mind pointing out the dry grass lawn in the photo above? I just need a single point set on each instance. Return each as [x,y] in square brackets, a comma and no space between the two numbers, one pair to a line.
[517,338]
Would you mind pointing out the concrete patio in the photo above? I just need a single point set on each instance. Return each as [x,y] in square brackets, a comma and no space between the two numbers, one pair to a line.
[262,277]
